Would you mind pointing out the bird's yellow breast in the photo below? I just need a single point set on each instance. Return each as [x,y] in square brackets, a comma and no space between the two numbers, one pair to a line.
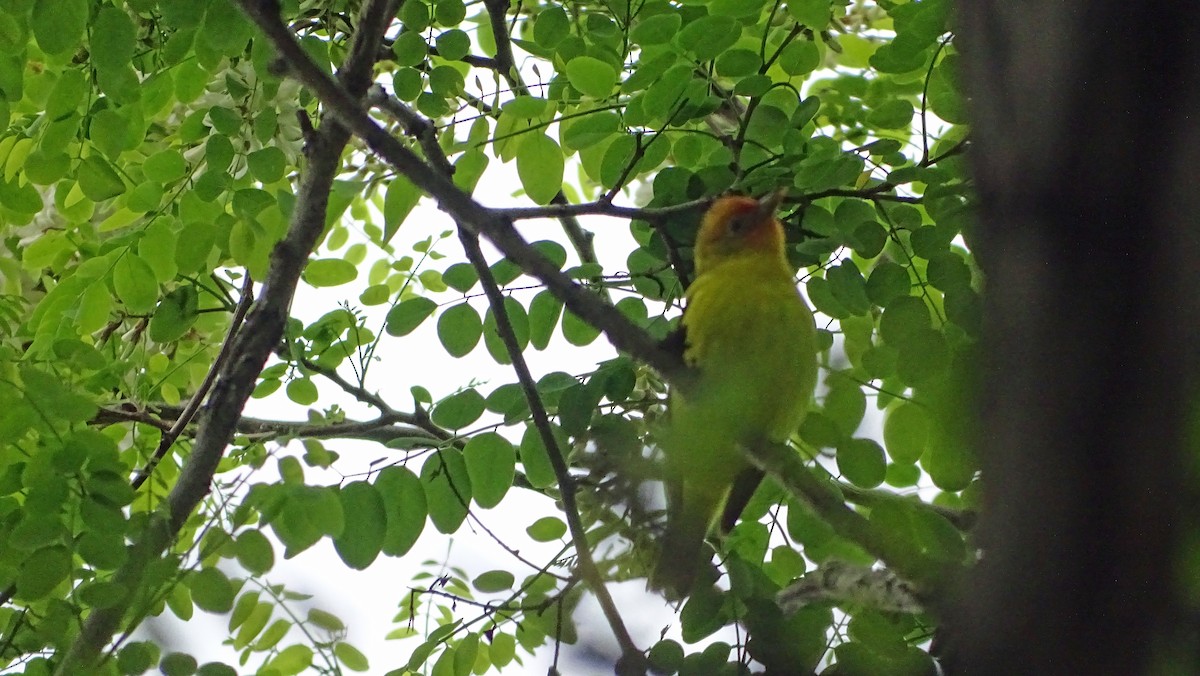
[751,336]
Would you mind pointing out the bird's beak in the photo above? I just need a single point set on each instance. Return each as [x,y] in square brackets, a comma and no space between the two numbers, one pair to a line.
[769,203]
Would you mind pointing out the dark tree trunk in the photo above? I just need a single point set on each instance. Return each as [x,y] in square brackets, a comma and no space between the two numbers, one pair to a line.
[1086,150]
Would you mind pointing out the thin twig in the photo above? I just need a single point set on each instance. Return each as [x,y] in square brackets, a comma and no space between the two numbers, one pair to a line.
[541,419]
[193,405]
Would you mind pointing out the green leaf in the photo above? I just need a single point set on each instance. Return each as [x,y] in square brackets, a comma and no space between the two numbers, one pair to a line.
[293,659]
[551,27]
[812,13]
[405,507]
[544,311]
[98,180]
[112,39]
[518,321]
[135,284]
[459,409]
[906,432]
[330,272]
[253,625]
[69,90]
[948,271]
[267,164]
[447,489]
[656,29]
[43,168]
[901,55]
[459,329]
[903,475]
[666,94]
[273,635]
[137,657]
[410,48]
[950,465]
[177,664]
[309,513]
[491,465]
[211,590]
[540,166]
[888,281]
[923,355]
[42,571]
[701,614]
[362,538]
[445,81]
[576,408]
[254,551]
[891,114]
[845,404]
[593,77]
[820,430]
[577,331]
[861,462]
[800,57]
[848,287]
[820,292]
[494,581]
[449,12]
[526,107]
[405,317]
[348,655]
[536,459]
[738,63]
[176,314]
[709,36]
[302,391]
[666,656]
[461,277]
[903,318]
[547,529]
[58,26]
[945,99]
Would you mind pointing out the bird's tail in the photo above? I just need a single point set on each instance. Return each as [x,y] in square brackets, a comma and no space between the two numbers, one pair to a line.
[681,554]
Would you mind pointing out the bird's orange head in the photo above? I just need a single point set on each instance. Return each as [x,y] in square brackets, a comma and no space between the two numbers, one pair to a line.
[736,225]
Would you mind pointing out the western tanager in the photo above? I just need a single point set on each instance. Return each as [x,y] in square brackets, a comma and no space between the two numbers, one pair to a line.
[752,340]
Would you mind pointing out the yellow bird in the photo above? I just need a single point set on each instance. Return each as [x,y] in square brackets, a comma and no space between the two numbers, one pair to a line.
[752,340]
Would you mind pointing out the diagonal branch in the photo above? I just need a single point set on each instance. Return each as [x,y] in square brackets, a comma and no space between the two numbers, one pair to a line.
[185,417]
[494,225]
[787,467]
[630,654]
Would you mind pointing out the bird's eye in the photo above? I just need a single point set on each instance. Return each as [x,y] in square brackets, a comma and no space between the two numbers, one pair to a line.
[737,224]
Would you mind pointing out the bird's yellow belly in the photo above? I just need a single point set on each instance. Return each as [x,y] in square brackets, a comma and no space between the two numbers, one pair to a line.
[754,348]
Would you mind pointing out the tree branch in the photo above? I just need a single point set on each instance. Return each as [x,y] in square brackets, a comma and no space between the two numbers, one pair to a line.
[496,226]
[541,420]
[189,412]
[505,64]
[384,429]
[786,467]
